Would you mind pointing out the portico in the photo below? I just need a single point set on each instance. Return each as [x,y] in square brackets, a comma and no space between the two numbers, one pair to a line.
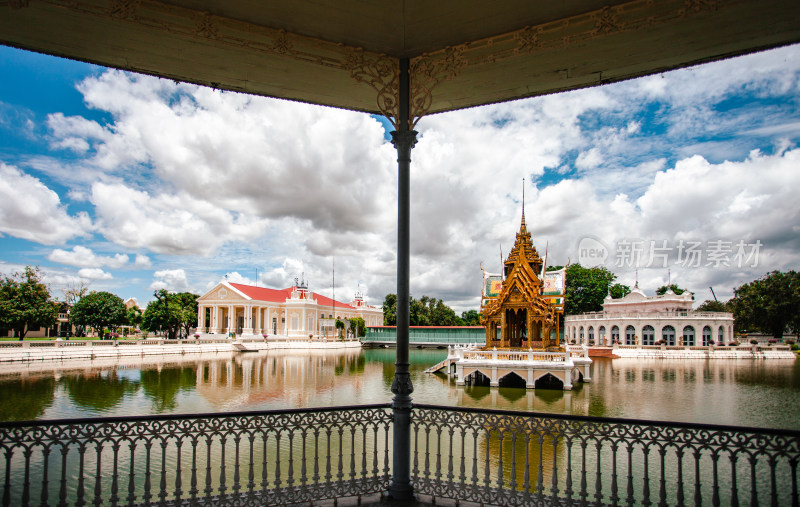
[294,312]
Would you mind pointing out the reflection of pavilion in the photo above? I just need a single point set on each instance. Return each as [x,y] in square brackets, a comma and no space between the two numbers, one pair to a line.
[525,305]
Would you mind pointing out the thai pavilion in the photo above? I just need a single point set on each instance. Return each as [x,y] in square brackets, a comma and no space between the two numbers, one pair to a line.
[294,312]
[517,303]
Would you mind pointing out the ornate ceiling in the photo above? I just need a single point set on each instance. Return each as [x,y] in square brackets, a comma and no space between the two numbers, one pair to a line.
[462,53]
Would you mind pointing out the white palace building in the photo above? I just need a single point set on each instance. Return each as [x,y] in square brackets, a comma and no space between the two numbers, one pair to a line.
[637,319]
[294,312]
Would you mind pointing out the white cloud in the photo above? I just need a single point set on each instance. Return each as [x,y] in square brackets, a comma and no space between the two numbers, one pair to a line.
[173,280]
[94,274]
[142,262]
[81,256]
[164,223]
[30,210]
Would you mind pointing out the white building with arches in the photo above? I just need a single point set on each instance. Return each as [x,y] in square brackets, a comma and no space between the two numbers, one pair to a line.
[638,319]
[294,312]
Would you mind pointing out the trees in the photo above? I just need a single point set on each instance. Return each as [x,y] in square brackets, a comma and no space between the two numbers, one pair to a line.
[134,316]
[99,310]
[188,310]
[171,313]
[390,310]
[714,306]
[587,288]
[769,304]
[163,314]
[673,286]
[358,327]
[425,311]
[340,328]
[619,290]
[25,302]
[471,318]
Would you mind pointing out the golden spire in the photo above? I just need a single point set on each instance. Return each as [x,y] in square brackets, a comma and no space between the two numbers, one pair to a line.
[522,228]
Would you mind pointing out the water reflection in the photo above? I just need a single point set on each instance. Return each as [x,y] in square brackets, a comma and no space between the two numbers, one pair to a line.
[26,399]
[99,391]
[163,385]
[750,393]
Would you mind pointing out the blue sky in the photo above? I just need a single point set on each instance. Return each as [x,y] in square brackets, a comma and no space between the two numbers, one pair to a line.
[130,183]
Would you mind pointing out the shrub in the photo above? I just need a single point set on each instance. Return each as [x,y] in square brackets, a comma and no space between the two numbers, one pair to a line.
[711,343]
[772,341]
[732,344]
[661,342]
[788,342]
[754,341]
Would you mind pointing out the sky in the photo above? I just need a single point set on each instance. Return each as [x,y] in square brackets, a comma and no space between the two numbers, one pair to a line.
[131,183]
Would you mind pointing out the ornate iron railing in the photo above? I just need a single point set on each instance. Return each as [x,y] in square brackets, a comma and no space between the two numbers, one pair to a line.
[490,457]
[245,458]
[496,457]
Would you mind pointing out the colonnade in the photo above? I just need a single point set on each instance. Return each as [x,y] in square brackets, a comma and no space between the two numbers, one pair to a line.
[648,332]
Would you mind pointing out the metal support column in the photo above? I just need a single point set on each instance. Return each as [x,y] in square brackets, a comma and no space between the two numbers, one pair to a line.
[404,140]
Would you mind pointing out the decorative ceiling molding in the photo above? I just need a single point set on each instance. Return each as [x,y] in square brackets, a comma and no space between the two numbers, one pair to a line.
[375,70]
[379,71]
[430,69]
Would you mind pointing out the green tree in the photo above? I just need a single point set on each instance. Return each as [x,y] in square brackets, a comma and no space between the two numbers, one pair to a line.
[358,327]
[99,310]
[714,306]
[390,310]
[163,314]
[471,318]
[25,302]
[340,327]
[663,289]
[425,311]
[586,288]
[619,290]
[769,304]
[134,316]
[188,310]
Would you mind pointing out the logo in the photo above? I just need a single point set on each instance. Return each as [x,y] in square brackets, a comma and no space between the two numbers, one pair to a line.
[591,252]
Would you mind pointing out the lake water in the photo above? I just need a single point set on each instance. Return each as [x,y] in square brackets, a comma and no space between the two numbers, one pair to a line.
[744,392]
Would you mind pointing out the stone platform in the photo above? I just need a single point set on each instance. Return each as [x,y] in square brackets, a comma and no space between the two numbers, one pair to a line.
[531,366]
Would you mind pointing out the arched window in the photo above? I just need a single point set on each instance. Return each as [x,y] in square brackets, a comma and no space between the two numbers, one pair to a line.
[706,336]
[614,334]
[721,334]
[591,334]
[648,335]
[630,335]
[688,336]
[668,334]
[581,335]
[601,335]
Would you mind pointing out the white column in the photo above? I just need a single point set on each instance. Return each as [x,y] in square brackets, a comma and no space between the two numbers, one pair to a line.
[200,317]
[215,315]
[268,317]
[258,320]
[303,325]
[247,327]
[231,320]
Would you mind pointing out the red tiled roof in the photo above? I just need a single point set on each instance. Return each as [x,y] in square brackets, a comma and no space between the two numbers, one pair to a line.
[280,295]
